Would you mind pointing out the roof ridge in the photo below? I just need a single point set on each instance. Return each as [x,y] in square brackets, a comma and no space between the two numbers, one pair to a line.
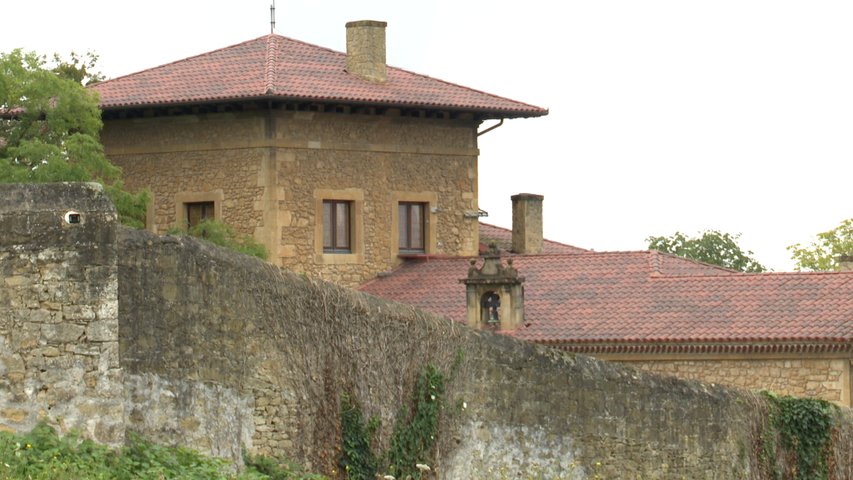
[749,275]
[544,110]
[706,264]
[271,61]
[186,59]
[457,85]
[556,242]
[655,263]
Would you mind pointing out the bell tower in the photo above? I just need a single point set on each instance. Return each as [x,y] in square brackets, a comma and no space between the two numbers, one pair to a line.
[494,293]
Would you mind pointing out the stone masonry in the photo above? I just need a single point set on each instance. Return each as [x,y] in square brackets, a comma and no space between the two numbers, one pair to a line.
[59,355]
[217,350]
[268,171]
[826,378]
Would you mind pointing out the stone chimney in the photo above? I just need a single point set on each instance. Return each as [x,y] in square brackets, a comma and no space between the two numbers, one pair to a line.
[366,50]
[527,223]
[845,263]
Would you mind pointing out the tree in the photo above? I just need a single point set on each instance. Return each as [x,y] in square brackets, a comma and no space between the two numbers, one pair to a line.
[712,247]
[823,253]
[50,126]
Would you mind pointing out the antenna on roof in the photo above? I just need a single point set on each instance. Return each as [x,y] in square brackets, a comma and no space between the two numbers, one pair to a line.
[272,17]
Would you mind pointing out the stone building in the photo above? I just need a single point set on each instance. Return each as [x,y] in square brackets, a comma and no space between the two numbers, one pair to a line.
[345,168]
[339,164]
[791,333]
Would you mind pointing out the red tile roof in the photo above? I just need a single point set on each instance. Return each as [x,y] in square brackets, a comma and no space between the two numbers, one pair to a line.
[503,240]
[644,301]
[276,67]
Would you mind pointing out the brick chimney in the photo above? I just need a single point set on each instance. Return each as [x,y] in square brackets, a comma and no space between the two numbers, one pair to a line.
[366,50]
[527,223]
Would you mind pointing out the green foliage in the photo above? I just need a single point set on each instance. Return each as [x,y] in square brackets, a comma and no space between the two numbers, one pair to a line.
[44,455]
[415,430]
[712,247]
[50,126]
[357,458]
[804,426]
[80,68]
[260,467]
[220,233]
[413,437]
[822,254]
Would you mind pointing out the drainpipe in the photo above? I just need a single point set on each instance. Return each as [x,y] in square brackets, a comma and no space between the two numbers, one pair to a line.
[491,128]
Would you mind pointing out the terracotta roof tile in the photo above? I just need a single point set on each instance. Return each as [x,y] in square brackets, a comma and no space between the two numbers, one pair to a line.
[621,297]
[278,67]
[503,240]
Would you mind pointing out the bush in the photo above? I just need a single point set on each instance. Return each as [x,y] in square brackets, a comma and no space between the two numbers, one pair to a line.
[220,233]
[43,455]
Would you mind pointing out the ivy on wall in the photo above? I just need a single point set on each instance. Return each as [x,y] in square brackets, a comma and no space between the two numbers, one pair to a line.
[803,427]
[412,440]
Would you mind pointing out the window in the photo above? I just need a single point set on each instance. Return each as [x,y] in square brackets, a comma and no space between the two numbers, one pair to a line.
[339,226]
[410,218]
[199,211]
[337,236]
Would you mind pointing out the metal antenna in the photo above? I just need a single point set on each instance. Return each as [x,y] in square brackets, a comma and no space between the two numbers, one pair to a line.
[272,17]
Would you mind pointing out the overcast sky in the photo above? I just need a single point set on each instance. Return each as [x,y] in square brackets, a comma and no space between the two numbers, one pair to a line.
[664,115]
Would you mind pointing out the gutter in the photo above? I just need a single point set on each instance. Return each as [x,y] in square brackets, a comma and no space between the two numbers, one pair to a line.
[491,128]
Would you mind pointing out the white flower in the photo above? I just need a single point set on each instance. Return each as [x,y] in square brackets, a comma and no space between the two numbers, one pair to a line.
[422,467]
[388,477]
[432,397]
[464,405]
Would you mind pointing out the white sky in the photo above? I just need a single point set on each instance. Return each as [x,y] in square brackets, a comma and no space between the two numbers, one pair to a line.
[734,115]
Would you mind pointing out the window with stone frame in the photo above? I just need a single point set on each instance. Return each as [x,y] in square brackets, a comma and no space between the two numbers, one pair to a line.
[337,226]
[411,218]
[197,212]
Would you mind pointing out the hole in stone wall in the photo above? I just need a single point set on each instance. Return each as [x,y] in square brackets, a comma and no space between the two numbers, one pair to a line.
[73,218]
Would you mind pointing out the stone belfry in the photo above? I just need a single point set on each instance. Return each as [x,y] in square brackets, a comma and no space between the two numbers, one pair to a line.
[495,294]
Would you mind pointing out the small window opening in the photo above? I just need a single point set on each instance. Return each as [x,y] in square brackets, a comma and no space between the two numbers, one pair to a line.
[198,212]
[337,226]
[73,218]
[412,226]
[489,309]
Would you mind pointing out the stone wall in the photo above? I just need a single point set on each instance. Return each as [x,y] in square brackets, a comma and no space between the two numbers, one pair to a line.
[266,170]
[59,358]
[826,378]
[219,350]
[288,347]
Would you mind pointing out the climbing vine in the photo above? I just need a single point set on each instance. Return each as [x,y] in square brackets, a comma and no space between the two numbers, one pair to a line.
[804,427]
[415,430]
[412,439]
[357,458]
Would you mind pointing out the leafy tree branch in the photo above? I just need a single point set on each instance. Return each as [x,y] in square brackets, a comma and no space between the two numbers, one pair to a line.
[824,252]
[713,246]
[50,128]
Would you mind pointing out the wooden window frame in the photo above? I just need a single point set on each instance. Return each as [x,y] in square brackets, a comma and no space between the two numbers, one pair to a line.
[208,211]
[330,225]
[355,197]
[404,219]
[430,233]
[184,198]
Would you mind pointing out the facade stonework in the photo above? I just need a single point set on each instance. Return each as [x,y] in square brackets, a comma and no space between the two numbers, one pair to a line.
[826,377]
[266,170]
[59,348]
[218,350]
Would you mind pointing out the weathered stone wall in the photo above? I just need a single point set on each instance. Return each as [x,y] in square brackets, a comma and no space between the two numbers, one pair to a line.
[826,378]
[206,155]
[218,349]
[288,347]
[267,171]
[59,358]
